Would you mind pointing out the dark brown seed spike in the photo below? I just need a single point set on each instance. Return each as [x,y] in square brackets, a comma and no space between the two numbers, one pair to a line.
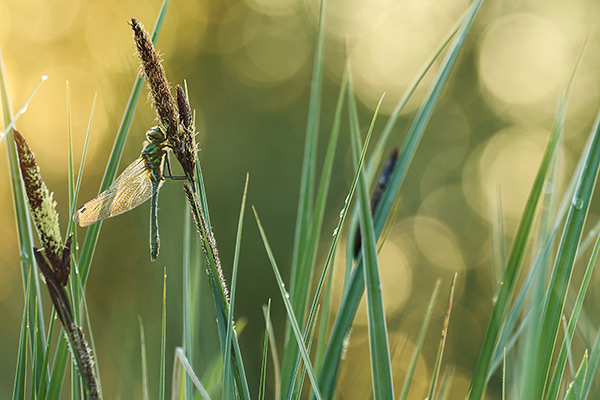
[155,76]
[185,111]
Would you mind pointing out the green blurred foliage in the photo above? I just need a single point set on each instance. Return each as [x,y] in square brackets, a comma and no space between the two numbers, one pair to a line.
[247,66]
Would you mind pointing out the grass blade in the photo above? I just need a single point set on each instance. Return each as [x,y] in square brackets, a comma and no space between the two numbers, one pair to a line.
[438,361]
[562,356]
[179,353]
[91,237]
[263,369]
[21,373]
[355,287]
[576,387]
[301,270]
[563,267]
[419,344]
[227,372]
[288,307]
[163,340]
[381,368]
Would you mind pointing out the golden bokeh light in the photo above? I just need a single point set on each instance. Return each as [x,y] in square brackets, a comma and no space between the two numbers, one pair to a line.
[438,244]
[507,162]
[523,61]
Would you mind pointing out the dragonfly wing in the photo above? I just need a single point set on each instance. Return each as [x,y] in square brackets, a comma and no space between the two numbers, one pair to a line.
[133,187]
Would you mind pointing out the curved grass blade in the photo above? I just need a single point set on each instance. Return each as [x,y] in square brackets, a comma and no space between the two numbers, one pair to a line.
[91,237]
[355,287]
[438,361]
[288,307]
[301,270]
[21,373]
[10,125]
[263,369]
[180,354]
[576,387]
[163,340]
[552,392]
[23,223]
[381,368]
[419,344]
[498,317]
[317,220]
[227,372]
[563,267]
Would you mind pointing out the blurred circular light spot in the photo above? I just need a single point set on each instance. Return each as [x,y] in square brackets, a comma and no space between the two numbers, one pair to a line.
[523,60]
[438,244]
[274,51]
[508,162]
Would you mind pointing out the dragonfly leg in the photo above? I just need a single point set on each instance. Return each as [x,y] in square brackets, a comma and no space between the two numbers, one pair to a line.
[167,170]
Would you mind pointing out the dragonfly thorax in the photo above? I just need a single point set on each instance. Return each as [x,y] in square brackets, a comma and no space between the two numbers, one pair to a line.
[156,134]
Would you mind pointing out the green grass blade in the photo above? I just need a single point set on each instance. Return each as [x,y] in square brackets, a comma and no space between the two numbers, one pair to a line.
[24,229]
[381,368]
[59,368]
[308,347]
[144,362]
[228,384]
[290,312]
[576,387]
[419,344]
[188,314]
[317,220]
[163,340]
[380,146]
[179,353]
[44,386]
[301,270]
[263,368]
[592,367]
[501,306]
[562,356]
[563,267]
[91,237]
[440,353]
[21,373]
[355,287]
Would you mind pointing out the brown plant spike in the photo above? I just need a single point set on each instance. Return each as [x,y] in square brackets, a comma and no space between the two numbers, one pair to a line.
[156,78]
[41,203]
[180,136]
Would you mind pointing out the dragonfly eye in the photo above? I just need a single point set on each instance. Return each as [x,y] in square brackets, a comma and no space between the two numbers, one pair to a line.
[156,134]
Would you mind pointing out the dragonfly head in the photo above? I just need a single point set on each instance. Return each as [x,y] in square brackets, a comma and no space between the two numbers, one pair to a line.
[156,134]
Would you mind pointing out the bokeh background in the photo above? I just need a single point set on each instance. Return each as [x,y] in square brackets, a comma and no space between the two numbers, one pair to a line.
[248,67]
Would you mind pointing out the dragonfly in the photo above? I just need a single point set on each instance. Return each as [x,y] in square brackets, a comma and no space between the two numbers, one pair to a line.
[140,181]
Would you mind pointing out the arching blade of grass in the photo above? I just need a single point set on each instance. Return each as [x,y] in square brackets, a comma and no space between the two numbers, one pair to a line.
[576,387]
[21,373]
[290,312]
[563,267]
[354,290]
[552,392]
[189,320]
[180,355]
[419,344]
[381,368]
[300,385]
[24,231]
[303,256]
[163,340]
[228,384]
[216,282]
[144,358]
[263,369]
[317,219]
[498,318]
[440,353]
[91,237]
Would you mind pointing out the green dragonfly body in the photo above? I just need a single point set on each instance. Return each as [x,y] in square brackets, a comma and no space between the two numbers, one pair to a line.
[139,182]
